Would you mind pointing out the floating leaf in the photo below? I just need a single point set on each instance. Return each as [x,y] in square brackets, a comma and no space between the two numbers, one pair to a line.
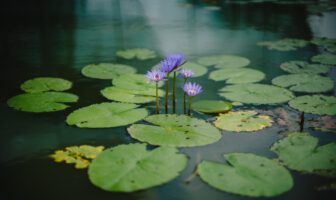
[327,59]
[315,104]
[175,130]
[242,121]
[326,42]
[106,70]
[286,44]
[224,61]
[105,115]
[135,82]
[42,102]
[129,168]
[78,155]
[256,93]
[44,84]
[199,70]
[297,67]
[304,82]
[332,49]
[247,174]
[300,151]
[211,106]
[237,75]
[139,53]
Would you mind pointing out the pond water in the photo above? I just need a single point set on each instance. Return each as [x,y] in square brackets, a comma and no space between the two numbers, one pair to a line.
[58,38]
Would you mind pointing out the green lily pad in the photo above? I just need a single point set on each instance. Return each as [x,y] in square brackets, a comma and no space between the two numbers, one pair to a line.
[175,130]
[106,115]
[139,53]
[107,70]
[332,49]
[286,44]
[327,59]
[130,96]
[315,104]
[44,84]
[326,42]
[199,70]
[304,82]
[129,168]
[300,151]
[211,106]
[247,174]
[237,75]
[299,67]
[242,121]
[42,102]
[224,61]
[255,93]
[135,82]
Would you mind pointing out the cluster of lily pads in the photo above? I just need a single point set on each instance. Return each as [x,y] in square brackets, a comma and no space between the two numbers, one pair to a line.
[133,167]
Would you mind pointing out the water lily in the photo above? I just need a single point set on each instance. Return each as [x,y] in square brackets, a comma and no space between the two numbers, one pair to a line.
[191,89]
[185,73]
[156,76]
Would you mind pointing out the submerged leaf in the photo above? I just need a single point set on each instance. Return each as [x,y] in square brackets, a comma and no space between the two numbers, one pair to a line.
[129,168]
[44,84]
[300,151]
[315,104]
[139,53]
[286,44]
[242,121]
[197,69]
[175,130]
[105,115]
[42,102]
[247,174]
[297,67]
[107,70]
[211,106]
[327,59]
[224,61]
[237,75]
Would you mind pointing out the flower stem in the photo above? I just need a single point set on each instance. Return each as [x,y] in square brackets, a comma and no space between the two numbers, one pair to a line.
[184,99]
[174,93]
[189,102]
[167,91]
[157,99]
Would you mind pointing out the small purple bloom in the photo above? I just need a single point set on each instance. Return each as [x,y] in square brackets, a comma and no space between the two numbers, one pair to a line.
[186,73]
[192,89]
[172,62]
[156,75]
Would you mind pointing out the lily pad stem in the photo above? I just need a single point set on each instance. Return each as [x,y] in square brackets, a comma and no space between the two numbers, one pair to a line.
[157,99]
[189,102]
[174,93]
[167,91]
[302,119]
[185,98]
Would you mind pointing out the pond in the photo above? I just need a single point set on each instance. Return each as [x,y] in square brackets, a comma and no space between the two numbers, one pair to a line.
[59,38]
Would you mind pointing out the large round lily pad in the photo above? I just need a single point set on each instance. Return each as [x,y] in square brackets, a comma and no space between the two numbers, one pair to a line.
[130,96]
[42,102]
[304,82]
[139,53]
[175,130]
[242,121]
[128,168]
[326,42]
[224,61]
[315,104]
[247,174]
[199,70]
[300,151]
[237,75]
[286,44]
[297,67]
[135,82]
[256,93]
[107,70]
[327,59]
[44,84]
[211,106]
[105,115]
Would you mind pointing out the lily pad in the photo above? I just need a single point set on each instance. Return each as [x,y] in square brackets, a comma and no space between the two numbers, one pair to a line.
[332,49]
[298,67]
[81,156]
[44,84]
[256,93]
[315,104]
[286,44]
[42,102]
[247,174]
[130,96]
[326,42]
[224,61]
[304,82]
[237,75]
[211,106]
[107,70]
[327,59]
[139,53]
[106,115]
[242,121]
[129,168]
[175,130]
[300,151]
[199,70]
[135,82]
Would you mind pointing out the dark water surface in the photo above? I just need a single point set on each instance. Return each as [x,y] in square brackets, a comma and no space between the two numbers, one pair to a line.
[58,38]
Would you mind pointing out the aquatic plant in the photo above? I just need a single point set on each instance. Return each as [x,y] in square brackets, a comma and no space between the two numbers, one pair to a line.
[191,89]
[156,76]
[185,73]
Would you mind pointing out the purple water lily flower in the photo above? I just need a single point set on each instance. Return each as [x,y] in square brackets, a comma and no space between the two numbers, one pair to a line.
[156,75]
[172,62]
[186,73]
[192,89]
